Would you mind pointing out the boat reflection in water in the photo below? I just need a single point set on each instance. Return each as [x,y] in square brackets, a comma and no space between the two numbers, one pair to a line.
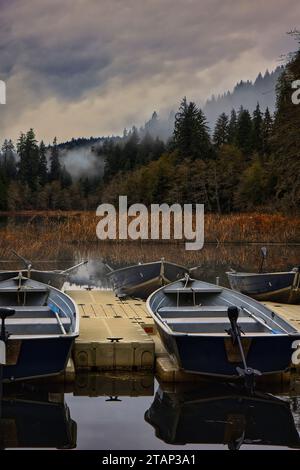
[222,415]
[36,419]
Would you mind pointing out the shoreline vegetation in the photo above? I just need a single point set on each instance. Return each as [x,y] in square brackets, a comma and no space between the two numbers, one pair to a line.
[27,227]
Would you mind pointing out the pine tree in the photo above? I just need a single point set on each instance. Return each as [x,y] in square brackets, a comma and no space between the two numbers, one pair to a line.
[129,155]
[65,178]
[245,132]
[191,134]
[232,128]
[267,129]
[286,136]
[8,159]
[29,159]
[55,168]
[43,170]
[257,123]
[22,157]
[221,134]
[145,149]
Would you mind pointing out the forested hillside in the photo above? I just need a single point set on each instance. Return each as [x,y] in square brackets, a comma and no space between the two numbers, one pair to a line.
[249,161]
[246,94]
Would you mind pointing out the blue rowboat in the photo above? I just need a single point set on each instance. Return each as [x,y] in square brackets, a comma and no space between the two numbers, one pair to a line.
[275,287]
[41,324]
[194,321]
[53,278]
[221,415]
[142,279]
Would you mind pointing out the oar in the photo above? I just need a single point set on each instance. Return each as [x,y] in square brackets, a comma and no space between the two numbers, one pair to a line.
[65,271]
[194,268]
[263,251]
[259,320]
[28,263]
[109,267]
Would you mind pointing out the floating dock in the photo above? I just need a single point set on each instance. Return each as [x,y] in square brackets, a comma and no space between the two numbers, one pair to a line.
[119,335]
[114,333]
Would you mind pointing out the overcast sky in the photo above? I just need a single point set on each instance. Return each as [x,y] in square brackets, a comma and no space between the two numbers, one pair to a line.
[93,67]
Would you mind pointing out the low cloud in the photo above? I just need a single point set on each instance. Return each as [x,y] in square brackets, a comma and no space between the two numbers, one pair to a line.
[84,67]
[82,162]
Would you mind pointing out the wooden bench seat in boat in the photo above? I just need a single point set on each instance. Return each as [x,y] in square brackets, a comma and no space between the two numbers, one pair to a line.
[36,326]
[192,311]
[192,290]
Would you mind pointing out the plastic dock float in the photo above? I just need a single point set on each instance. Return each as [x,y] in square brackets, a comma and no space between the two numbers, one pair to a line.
[290,313]
[112,332]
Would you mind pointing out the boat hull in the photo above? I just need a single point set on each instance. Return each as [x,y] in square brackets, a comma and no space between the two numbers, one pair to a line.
[38,357]
[273,287]
[208,355]
[143,279]
[46,277]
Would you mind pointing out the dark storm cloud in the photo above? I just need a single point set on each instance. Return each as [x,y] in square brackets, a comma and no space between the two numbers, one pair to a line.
[116,60]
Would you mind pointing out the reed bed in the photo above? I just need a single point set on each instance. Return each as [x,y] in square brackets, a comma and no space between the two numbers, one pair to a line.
[81,227]
[58,240]
[40,230]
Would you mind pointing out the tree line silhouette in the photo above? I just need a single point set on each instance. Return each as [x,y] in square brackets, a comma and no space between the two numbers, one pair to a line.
[250,161]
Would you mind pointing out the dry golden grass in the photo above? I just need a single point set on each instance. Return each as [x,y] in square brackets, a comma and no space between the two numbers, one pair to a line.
[58,240]
[44,231]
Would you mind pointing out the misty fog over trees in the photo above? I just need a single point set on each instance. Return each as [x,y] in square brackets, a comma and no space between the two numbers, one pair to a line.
[249,160]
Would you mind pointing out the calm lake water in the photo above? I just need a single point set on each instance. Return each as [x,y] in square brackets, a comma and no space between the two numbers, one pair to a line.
[124,411]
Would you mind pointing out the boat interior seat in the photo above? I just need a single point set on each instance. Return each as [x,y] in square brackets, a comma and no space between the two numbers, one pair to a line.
[23,297]
[24,289]
[207,320]
[29,311]
[192,311]
[36,326]
[212,325]
[192,290]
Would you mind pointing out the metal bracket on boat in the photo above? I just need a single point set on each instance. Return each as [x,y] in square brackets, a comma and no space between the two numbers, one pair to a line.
[4,335]
[235,332]
[4,313]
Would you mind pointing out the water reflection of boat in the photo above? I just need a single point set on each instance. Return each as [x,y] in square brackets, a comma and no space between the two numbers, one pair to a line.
[222,415]
[142,279]
[36,420]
